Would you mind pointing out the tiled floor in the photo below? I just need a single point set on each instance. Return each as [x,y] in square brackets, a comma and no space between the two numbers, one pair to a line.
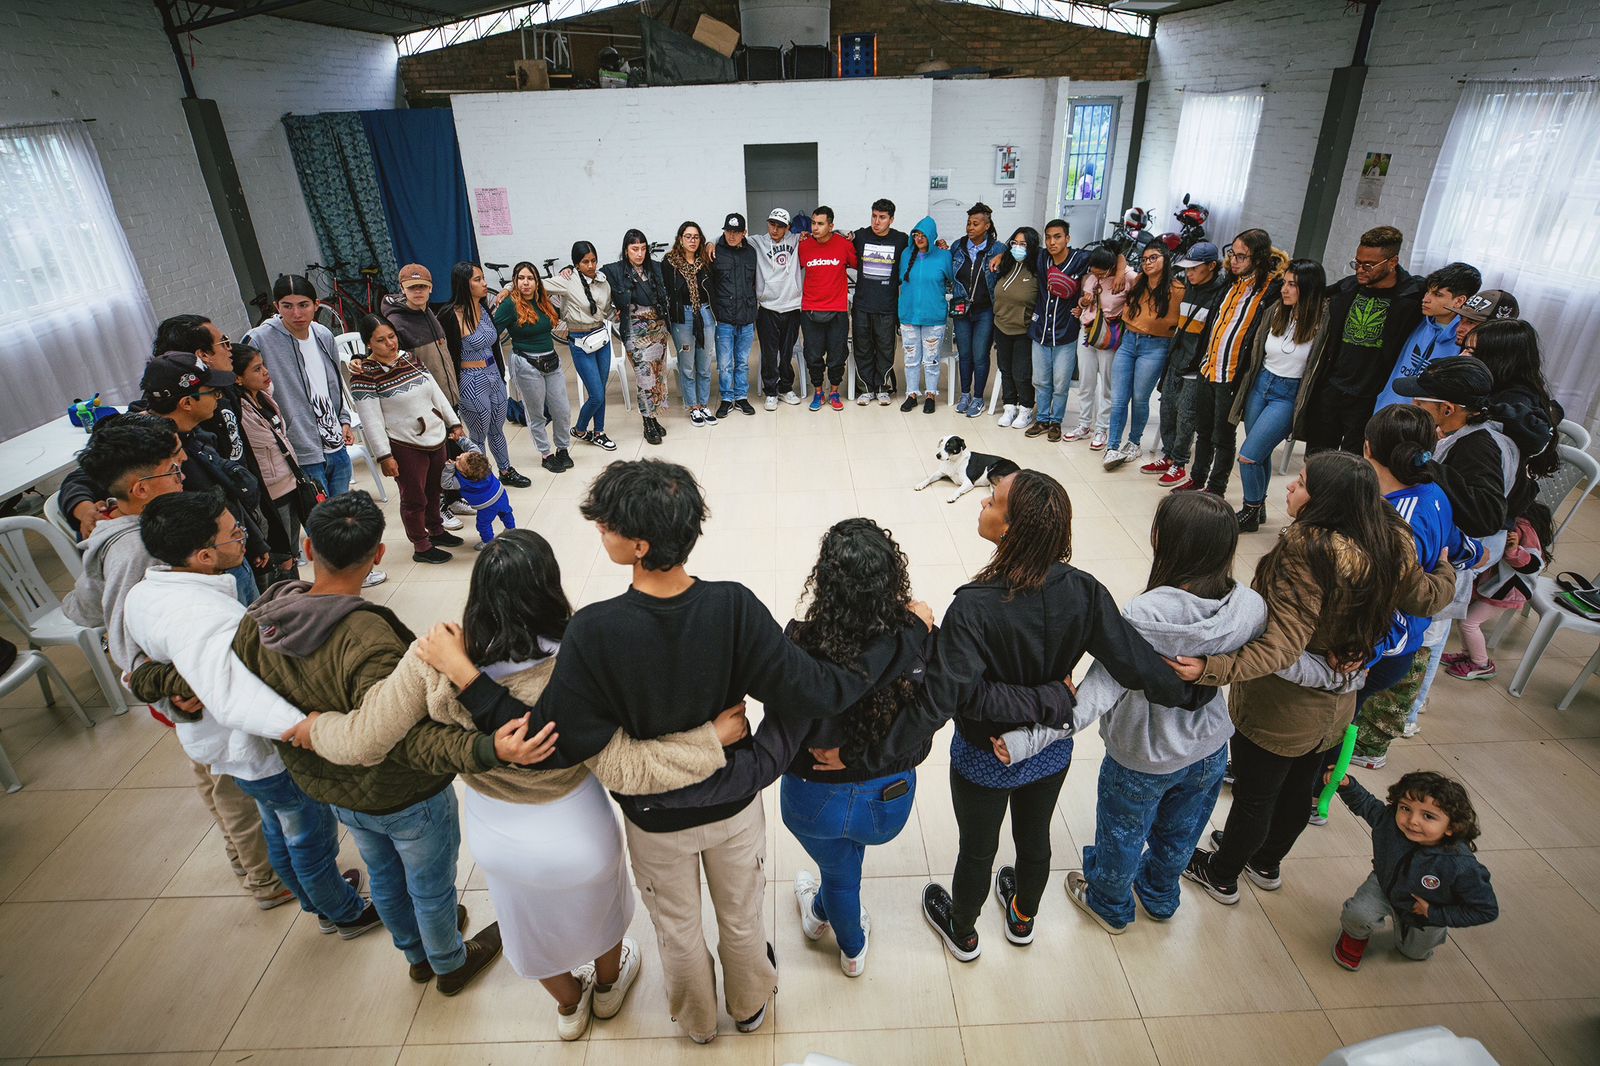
[125,939]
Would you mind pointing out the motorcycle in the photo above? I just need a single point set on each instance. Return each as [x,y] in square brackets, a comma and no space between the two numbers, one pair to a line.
[1192,218]
[1129,235]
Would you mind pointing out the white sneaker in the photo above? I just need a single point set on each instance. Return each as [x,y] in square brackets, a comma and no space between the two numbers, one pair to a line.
[1008,415]
[863,399]
[1024,419]
[856,965]
[574,1025]
[1114,458]
[607,1003]
[772,403]
[805,895]
[791,398]
[883,399]
[377,577]
[1370,762]
[463,508]
[750,1025]
[449,521]
[1098,441]
[1412,729]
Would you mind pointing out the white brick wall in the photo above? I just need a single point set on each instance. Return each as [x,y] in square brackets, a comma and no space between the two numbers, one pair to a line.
[1420,51]
[969,119]
[109,60]
[588,165]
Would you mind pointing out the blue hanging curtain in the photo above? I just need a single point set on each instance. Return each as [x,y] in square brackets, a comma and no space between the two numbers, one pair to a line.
[333,158]
[423,188]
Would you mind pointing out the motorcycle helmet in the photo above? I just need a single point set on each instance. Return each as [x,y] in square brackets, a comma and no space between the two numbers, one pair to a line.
[1135,218]
[1194,215]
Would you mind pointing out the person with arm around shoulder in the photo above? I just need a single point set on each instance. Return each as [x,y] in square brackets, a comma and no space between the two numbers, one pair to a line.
[1149,319]
[734,273]
[925,292]
[687,270]
[1099,311]
[586,311]
[1014,290]
[526,314]
[644,313]
[1054,328]
[482,384]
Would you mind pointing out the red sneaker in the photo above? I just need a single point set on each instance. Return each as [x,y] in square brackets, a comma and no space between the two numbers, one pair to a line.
[1160,466]
[1175,474]
[1347,951]
[835,403]
[1188,484]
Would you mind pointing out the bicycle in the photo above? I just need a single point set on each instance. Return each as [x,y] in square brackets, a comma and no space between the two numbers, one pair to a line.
[349,299]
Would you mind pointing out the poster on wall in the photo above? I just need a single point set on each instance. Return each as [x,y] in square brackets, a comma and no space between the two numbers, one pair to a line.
[1369,189]
[938,180]
[1006,162]
[493,211]
[1008,198]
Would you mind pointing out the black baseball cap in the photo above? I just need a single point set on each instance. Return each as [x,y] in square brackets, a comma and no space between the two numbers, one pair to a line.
[734,223]
[174,375]
[1461,380]
[1490,305]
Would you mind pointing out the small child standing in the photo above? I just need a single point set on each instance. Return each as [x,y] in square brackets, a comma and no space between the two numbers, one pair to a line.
[1504,587]
[482,491]
[1424,874]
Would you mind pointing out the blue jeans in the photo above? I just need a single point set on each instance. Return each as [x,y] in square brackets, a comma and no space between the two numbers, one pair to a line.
[1168,813]
[921,347]
[1139,364]
[974,338]
[594,370]
[733,359]
[244,581]
[694,357]
[1053,365]
[303,846]
[1268,418]
[333,473]
[411,864]
[835,823]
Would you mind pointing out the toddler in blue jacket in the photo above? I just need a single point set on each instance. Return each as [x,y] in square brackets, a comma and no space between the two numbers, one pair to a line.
[482,491]
[1424,873]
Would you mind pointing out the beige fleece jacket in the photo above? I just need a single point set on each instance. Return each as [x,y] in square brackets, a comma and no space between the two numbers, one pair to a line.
[416,691]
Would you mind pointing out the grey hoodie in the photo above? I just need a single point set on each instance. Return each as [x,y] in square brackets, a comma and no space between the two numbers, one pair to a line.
[296,624]
[281,352]
[114,560]
[1162,740]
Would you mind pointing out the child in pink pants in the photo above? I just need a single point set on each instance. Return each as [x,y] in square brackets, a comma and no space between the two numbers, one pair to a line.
[1503,587]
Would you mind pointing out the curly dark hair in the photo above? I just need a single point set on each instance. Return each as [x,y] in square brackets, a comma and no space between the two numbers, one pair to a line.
[859,590]
[1450,797]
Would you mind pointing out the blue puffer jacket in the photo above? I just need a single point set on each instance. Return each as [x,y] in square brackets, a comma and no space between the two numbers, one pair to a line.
[925,278]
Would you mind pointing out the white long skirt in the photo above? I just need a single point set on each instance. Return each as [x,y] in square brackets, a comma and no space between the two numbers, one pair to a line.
[557,876]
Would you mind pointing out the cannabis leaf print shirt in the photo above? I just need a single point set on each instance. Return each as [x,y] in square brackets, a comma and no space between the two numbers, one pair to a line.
[1362,366]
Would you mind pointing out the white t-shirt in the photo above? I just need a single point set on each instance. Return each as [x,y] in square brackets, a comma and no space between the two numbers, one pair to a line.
[322,406]
[1285,358]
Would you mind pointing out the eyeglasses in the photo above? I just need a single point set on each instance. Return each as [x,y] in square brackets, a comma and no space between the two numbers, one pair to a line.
[225,342]
[175,470]
[237,537]
[691,237]
[1356,264]
[1239,257]
[209,392]
[1155,257]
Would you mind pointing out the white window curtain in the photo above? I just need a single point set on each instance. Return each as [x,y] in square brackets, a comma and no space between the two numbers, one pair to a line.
[1216,142]
[1516,193]
[74,315]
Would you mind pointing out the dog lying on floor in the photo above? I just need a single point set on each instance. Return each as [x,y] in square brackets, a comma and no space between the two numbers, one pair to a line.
[965,468]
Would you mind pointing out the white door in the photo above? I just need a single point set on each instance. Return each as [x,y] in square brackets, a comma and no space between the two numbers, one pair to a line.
[1086,173]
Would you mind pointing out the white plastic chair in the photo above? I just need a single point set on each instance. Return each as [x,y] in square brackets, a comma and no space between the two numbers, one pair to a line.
[1579,471]
[1553,619]
[350,346]
[1288,454]
[34,664]
[34,608]
[53,515]
[1569,432]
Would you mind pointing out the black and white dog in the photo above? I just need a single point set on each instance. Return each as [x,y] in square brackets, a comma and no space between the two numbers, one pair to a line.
[967,469]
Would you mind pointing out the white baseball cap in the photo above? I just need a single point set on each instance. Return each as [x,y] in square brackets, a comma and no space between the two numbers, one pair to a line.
[778,215]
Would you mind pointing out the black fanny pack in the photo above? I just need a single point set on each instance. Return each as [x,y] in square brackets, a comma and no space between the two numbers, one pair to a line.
[548,363]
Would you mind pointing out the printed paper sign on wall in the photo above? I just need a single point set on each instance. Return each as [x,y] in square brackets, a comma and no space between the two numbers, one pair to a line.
[494,212]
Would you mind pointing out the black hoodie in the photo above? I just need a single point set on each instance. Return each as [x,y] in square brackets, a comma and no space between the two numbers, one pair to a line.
[1371,326]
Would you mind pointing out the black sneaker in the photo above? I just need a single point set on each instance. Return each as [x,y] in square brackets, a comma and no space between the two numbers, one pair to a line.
[1269,878]
[927,404]
[937,908]
[509,476]
[909,404]
[432,555]
[600,440]
[366,923]
[724,408]
[1199,871]
[446,540]
[744,407]
[1005,890]
[564,459]
[652,431]
[1227,773]
[551,463]
[583,435]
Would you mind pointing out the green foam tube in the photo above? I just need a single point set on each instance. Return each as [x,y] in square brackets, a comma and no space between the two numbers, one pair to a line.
[1346,750]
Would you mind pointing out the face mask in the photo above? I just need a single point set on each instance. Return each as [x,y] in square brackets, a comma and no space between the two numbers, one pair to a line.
[1019,252]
